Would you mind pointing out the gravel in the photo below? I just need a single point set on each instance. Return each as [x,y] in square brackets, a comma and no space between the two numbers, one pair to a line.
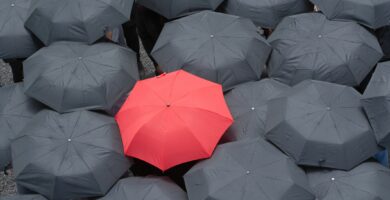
[7,182]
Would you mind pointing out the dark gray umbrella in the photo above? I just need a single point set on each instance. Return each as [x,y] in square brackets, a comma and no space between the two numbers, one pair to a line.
[321,124]
[15,40]
[66,156]
[368,181]
[16,110]
[373,14]
[222,48]
[172,8]
[69,76]
[146,188]
[24,197]
[376,103]
[308,46]
[77,20]
[247,170]
[248,104]
[267,14]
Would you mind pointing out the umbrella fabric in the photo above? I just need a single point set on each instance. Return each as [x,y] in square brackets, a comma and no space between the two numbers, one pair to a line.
[308,46]
[267,14]
[69,156]
[222,48]
[171,9]
[15,40]
[373,14]
[16,110]
[146,188]
[24,197]
[368,181]
[77,20]
[383,36]
[173,119]
[321,124]
[376,103]
[70,76]
[248,104]
[247,170]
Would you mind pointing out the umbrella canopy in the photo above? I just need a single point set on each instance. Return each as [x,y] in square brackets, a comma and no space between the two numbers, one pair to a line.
[383,36]
[222,48]
[247,170]
[376,103]
[24,197]
[267,14]
[70,76]
[16,110]
[173,119]
[368,181]
[373,14]
[308,46]
[171,9]
[146,188]
[15,40]
[321,124]
[248,104]
[69,156]
[77,20]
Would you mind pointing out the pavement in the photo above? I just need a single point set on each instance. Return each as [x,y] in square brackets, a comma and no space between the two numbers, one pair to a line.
[7,182]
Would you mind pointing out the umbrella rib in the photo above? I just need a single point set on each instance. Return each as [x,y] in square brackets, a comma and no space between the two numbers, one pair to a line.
[75,124]
[89,168]
[205,110]
[357,188]
[8,16]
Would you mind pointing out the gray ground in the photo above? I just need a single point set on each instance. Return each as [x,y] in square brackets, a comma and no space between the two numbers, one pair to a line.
[7,182]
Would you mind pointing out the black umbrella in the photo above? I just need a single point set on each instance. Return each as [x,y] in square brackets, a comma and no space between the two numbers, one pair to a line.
[172,8]
[69,76]
[146,188]
[15,40]
[376,103]
[16,110]
[248,105]
[368,181]
[222,48]
[309,46]
[77,20]
[373,14]
[69,156]
[321,124]
[247,170]
[267,14]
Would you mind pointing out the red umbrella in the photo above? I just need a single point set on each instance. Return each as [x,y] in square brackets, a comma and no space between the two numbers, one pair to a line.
[173,119]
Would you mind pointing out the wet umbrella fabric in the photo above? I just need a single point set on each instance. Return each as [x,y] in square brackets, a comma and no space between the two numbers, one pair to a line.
[71,76]
[267,14]
[171,9]
[248,105]
[16,110]
[321,124]
[24,197]
[146,188]
[376,103]
[77,20]
[373,14]
[69,156]
[247,170]
[222,48]
[368,181]
[309,46]
[173,119]
[15,40]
